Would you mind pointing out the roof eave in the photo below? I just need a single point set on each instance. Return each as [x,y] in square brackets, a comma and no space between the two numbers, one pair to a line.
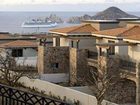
[9,47]
[58,33]
[107,36]
[132,41]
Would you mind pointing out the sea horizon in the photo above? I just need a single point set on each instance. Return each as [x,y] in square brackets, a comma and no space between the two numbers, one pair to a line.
[11,21]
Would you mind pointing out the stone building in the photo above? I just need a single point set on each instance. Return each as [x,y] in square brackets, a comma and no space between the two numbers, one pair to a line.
[77,48]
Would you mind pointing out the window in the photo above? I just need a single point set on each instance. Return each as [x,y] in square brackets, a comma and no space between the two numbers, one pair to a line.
[54,65]
[17,52]
[111,50]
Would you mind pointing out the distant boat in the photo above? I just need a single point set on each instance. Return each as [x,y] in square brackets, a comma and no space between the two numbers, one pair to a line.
[38,23]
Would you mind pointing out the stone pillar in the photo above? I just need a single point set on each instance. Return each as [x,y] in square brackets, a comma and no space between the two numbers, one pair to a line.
[73,66]
[40,59]
[138,83]
[102,54]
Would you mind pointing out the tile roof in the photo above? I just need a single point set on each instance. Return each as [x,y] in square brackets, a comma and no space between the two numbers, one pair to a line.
[5,36]
[18,43]
[112,32]
[133,37]
[86,28]
[120,32]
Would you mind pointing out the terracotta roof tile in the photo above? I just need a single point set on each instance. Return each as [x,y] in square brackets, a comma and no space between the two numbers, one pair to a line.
[133,37]
[19,43]
[86,28]
[5,36]
[123,32]
[135,30]
[112,32]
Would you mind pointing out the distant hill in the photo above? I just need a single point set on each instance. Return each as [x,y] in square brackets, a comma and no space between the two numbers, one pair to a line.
[76,19]
[110,13]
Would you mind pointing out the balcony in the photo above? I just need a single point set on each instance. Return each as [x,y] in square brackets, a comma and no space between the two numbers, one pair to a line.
[127,65]
[92,58]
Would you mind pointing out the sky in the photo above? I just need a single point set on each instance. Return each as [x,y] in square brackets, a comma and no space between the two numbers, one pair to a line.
[67,5]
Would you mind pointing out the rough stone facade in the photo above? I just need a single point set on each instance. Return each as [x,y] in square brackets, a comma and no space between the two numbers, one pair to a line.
[122,92]
[78,65]
[82,67]
[73,66]
[40,60]
[53,59]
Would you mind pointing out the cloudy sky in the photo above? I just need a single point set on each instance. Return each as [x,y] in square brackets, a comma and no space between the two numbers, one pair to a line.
[67,5]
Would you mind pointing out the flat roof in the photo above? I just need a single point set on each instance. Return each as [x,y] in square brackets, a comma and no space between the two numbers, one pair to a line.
[101,21]
[127,19]
[136,22]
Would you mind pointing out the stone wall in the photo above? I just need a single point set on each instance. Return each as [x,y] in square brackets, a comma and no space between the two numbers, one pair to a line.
[122,92]
[78,65]
[82,66]
[53,59]
[73,66]
[40,59]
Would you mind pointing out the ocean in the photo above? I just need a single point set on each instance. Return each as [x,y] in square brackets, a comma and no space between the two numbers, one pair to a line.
[11,21]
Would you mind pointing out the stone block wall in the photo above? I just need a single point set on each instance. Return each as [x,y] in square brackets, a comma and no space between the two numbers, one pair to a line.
[40,59]
[78,65]
[73,66]
[122,92]
[53,59]
[82,67]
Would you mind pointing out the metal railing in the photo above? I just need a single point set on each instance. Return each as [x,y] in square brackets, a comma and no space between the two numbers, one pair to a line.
[92,54]
[127,65]
[13,96]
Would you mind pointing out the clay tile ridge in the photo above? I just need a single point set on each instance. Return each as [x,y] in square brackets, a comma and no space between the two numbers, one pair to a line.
[128,30]
[76,29]
[19,43]
[82,26]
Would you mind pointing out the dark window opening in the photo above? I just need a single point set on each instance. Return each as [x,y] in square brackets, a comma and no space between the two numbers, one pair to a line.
[17,52]
[55,65]
[100,51]
[111,50]
[72,43]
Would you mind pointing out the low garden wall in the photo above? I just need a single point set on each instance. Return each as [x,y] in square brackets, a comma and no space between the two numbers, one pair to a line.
[63,92]
[55,78]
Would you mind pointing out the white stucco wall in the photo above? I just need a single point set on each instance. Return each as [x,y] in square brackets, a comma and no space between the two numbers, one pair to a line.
[64,42]
[121,50]
[57,90]
[134,52]
[31,61]
[29,57]
[84,43]
[104,26]
[54,42]
[87,43]
[55,78]
[29,52]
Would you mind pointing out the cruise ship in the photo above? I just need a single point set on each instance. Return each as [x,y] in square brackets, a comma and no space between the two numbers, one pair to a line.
[37,23]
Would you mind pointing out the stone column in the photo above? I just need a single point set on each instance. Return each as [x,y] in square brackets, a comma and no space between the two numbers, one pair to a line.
[40,59]
[73,66]
[138,83]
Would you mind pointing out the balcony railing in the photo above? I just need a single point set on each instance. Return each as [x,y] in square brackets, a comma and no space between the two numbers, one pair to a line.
[127,65]
[92,54]
[92,58]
